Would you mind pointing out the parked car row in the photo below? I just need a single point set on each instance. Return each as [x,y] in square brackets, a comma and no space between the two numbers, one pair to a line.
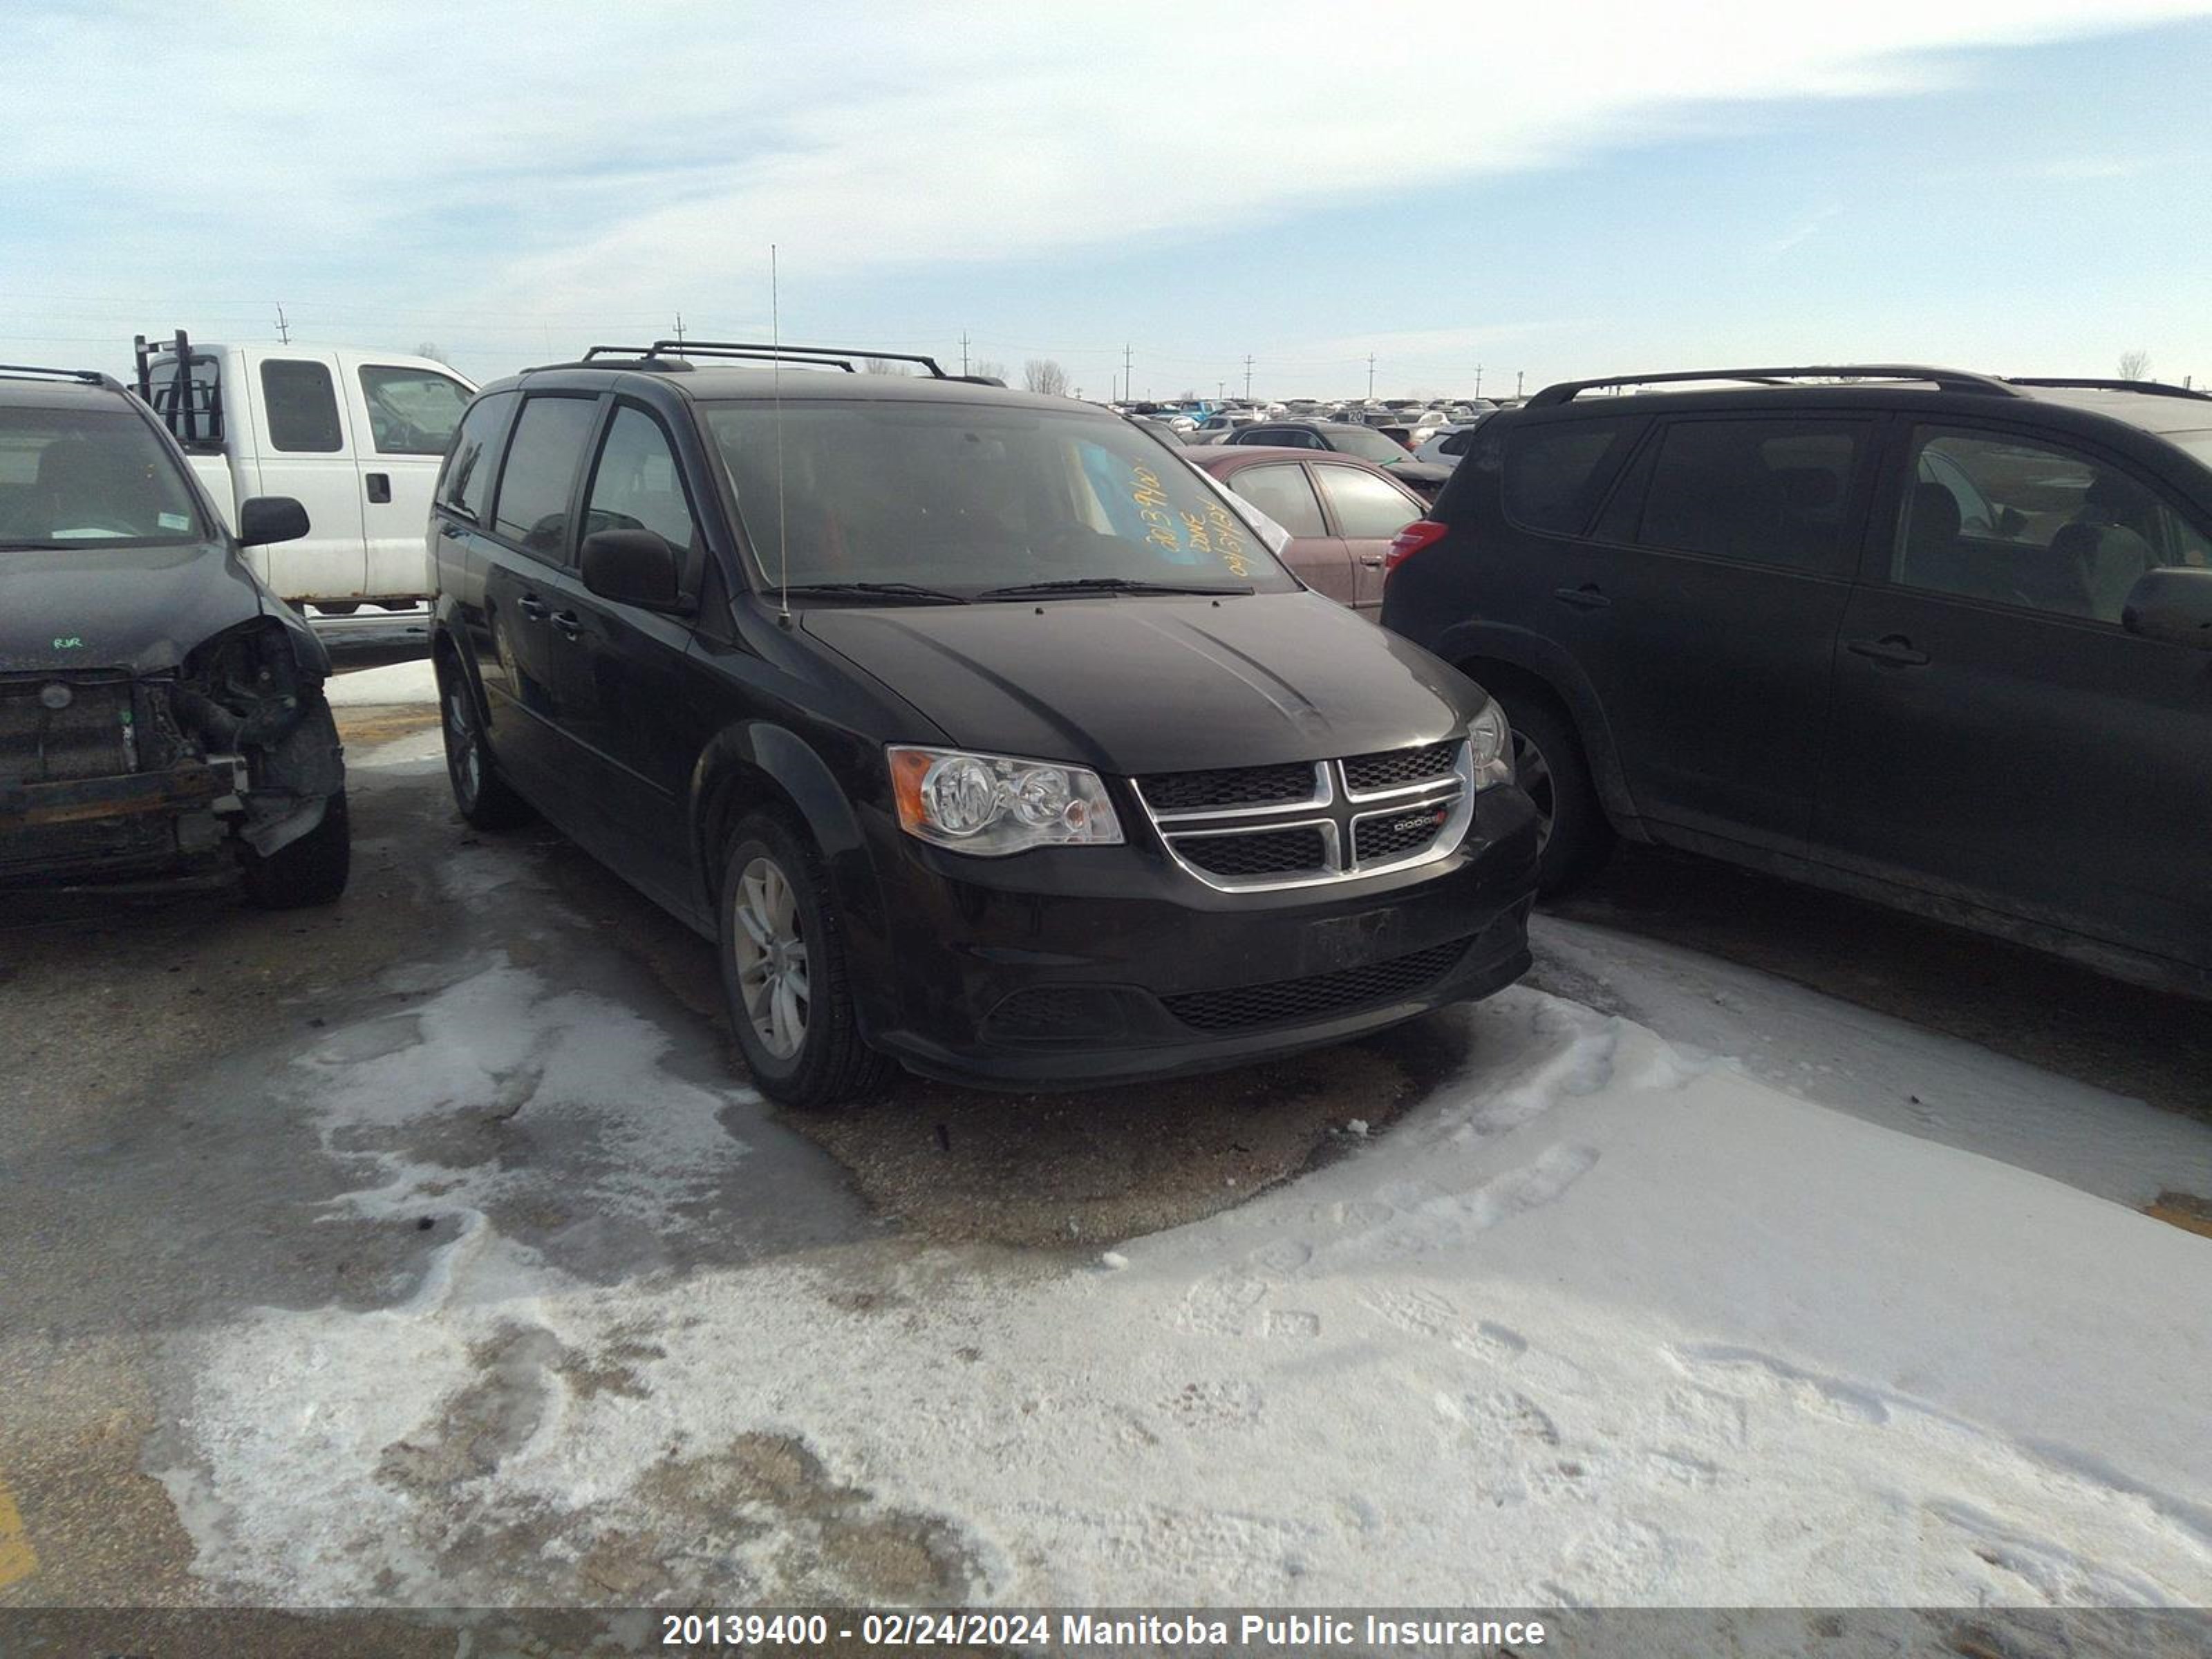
[1003,739]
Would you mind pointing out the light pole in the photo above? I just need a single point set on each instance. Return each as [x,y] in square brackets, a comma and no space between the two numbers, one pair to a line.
[1370,377]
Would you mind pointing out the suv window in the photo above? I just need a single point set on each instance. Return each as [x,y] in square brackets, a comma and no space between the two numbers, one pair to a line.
[1771,492]
[411,411]
[303,403]
[1282,492]
[637,484]
[1555,472]
[2021,521]
[465,484]
[1455,443]
[541,467]
[1365,506]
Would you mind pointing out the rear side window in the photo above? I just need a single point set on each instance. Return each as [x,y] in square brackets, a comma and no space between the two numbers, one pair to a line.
[1555,472]
[411,411]
[541,469]
[302,404]
[466,485]
[1283,494]
[1365,506]
[1766,492]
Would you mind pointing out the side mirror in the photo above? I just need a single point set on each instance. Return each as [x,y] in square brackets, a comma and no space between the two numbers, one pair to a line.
[2173,605]
[265,519]
[634,567]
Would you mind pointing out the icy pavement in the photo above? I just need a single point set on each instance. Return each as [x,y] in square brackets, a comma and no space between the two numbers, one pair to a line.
[1604,1323]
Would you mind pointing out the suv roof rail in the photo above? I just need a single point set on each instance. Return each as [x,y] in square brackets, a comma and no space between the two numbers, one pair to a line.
[1944,379]
[32,371]
[842,357]
[2152,388]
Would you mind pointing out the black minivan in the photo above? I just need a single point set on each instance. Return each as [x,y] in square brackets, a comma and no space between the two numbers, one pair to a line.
[983,733]
[1933,637]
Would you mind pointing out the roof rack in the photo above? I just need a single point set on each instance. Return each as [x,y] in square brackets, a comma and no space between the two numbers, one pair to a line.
[1944,379]
[2153,388]
[840,356]
[32,371]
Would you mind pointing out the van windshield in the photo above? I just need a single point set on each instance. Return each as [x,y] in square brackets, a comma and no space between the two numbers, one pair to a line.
[970,497]
[88,477]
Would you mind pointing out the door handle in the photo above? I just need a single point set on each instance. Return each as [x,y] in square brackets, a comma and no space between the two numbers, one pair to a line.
[568,622]
[1588,597]
[1895,649]
[380,485]
[531,606]
[1372,561]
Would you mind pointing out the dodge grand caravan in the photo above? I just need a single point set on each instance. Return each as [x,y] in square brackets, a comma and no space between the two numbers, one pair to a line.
[982,734]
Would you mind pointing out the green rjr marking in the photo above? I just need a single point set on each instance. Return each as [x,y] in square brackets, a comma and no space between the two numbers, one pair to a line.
[72,643]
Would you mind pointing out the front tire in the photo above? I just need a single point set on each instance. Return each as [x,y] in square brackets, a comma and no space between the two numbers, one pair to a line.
[484,799]
[312,870]
[783,971]
[1575,837]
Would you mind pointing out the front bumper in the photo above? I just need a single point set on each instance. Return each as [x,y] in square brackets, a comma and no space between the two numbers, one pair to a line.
[1086,966]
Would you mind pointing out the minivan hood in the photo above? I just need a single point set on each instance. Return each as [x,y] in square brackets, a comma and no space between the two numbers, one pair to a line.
[139,608]
[1140,685]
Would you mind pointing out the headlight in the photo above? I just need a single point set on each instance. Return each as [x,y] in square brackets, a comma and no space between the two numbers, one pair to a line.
[1489,747]
[993,804]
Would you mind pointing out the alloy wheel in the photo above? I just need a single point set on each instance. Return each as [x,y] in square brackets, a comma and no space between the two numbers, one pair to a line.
[464,755]
[771,957]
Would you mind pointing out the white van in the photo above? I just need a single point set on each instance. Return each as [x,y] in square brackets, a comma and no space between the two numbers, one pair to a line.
[356,436]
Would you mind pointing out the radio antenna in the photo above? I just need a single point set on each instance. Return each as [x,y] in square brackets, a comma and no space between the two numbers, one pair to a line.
[775,380]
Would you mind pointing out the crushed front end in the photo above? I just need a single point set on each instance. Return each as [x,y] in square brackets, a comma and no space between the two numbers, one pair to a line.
[105,771]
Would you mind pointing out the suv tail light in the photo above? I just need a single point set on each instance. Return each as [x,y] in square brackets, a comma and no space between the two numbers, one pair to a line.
[1422,532]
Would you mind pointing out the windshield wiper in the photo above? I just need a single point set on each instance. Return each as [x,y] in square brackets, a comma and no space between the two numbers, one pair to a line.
[1076,586]
[38,547]
[879,590]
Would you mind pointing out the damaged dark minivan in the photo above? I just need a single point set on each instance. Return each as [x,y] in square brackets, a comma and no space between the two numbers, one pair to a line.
[984,734]
[157,700]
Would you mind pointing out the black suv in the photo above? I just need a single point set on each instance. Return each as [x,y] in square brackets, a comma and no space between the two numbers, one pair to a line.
[1936,637]
[979,730]
[155,698]
[1424,478]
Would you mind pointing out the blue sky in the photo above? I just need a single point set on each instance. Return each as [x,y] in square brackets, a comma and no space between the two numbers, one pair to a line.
[2019,187]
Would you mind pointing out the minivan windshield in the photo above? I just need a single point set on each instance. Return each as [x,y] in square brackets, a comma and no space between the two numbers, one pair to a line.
[970,498]
[88,477]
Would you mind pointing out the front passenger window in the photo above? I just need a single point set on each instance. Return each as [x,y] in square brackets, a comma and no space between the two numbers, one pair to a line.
[638,485]
[2018,521]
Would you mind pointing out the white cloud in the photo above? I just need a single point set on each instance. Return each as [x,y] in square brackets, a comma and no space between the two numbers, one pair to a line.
[517,161]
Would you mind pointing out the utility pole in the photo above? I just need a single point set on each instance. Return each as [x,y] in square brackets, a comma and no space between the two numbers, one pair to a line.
[679,330]
[1371,374]
[283,328]
[1478,380]
[1518,373]
[1247,375]
[1128,386]
[963,351]
[1221,388]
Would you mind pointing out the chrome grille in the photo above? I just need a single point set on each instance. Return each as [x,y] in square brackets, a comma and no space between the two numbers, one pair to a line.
[1370,775]
[1255,827]
[1230,788]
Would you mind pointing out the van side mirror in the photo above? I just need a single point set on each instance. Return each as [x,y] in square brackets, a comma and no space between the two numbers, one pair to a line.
[634,567]
[265,519]
[2173,605]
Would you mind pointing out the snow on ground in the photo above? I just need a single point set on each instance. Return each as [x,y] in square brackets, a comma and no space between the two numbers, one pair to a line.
[395,682]
[1882,1068]
[1606,1322]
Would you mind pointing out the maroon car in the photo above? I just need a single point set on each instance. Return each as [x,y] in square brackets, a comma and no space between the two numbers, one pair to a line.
[1342,513]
